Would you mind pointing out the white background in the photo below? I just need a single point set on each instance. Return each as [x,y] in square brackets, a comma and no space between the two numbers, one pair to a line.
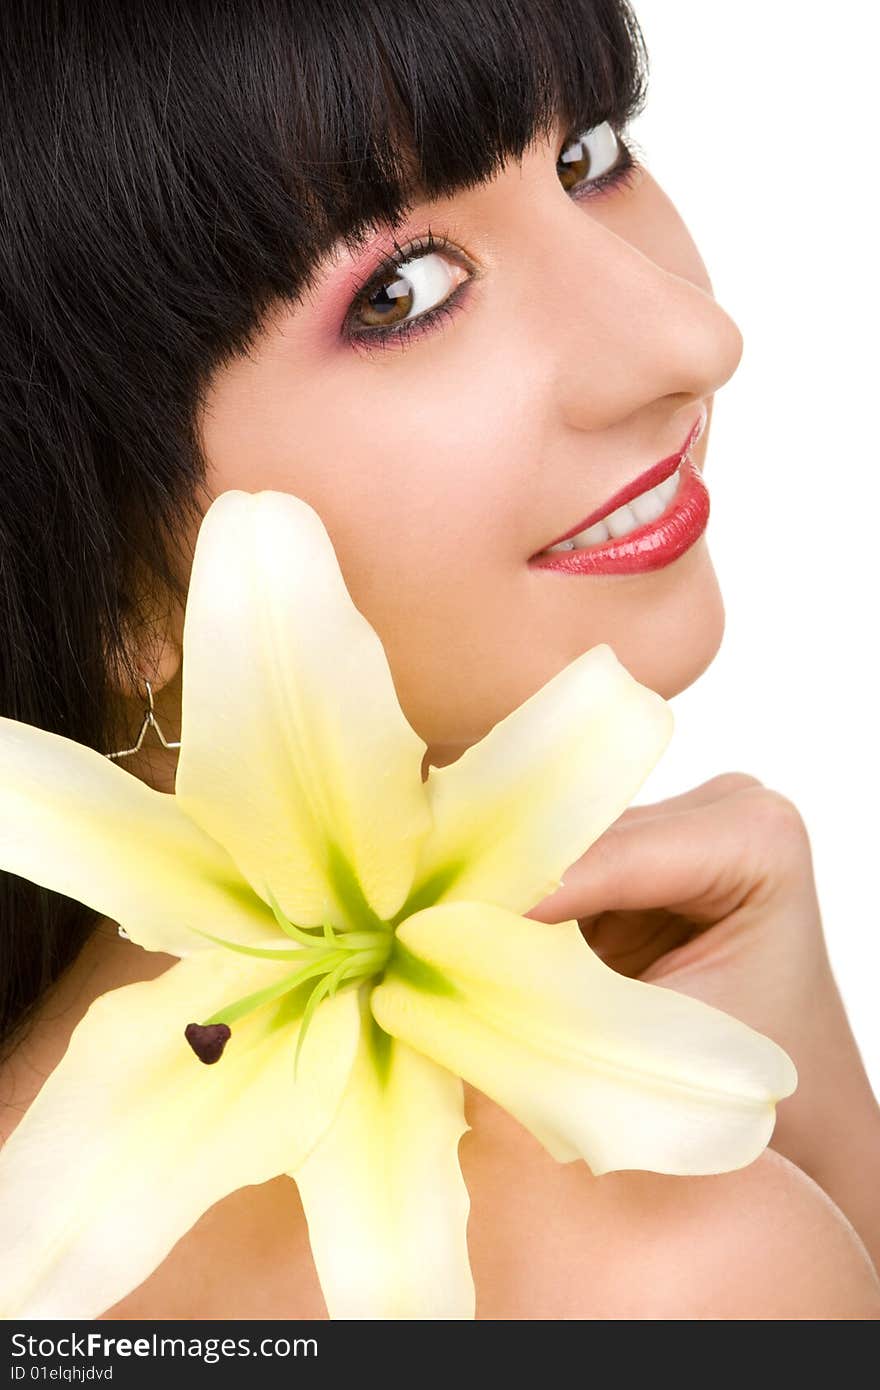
[761,126]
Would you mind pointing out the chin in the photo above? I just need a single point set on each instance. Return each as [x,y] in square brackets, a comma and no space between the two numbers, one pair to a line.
[673,632]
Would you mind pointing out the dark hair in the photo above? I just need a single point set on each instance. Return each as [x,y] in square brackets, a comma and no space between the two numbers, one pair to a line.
[171,170]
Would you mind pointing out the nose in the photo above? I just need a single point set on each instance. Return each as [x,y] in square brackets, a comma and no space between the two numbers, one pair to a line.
[628,329]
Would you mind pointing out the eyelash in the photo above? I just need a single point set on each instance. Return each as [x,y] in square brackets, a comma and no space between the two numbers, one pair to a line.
[621,176]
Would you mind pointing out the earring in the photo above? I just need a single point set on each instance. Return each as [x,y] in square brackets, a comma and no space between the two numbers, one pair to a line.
[148,720]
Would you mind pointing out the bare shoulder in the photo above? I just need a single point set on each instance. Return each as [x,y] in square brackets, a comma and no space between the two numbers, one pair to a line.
[552,1240]
[762,1243]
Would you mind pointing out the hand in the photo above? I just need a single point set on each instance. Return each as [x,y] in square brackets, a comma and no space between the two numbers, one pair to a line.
[712,893]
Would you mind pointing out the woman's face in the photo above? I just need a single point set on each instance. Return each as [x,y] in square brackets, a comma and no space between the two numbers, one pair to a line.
[582,350]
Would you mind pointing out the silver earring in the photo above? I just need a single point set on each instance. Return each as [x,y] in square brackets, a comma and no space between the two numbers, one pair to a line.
[149,719]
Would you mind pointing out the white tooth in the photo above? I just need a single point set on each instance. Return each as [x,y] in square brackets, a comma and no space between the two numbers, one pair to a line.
[649,506]
[621,521]
[593,535]
[562,545]
[668,488]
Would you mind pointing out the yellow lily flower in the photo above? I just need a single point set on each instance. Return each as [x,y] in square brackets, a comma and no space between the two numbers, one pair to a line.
[352,944]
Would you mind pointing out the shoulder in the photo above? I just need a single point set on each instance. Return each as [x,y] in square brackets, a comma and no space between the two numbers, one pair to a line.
[761,1243]
[552,1240]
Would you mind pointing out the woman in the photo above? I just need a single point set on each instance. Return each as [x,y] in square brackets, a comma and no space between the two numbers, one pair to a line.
[202,292]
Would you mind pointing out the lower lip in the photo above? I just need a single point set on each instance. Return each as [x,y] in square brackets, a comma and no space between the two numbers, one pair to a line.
[650,547]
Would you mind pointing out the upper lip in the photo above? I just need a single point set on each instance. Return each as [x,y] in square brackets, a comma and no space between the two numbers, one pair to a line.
[650,478]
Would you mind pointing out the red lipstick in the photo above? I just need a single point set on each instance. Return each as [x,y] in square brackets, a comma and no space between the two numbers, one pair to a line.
[653,545]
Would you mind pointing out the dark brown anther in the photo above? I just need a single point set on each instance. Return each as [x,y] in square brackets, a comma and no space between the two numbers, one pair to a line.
[207,1040]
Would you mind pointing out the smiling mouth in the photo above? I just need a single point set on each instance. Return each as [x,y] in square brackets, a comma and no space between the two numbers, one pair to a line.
[635,506]
[645,507]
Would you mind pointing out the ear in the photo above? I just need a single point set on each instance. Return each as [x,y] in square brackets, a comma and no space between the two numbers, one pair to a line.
[153,652]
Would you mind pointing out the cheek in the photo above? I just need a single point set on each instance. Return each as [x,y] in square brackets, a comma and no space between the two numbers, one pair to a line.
[414,464]
[410,488]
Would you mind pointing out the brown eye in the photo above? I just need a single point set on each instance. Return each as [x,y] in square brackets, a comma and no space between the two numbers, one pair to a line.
[414,286]
[588,156]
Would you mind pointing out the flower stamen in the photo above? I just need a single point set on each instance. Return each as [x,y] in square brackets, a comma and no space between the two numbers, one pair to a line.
[334,957]
[208,1040]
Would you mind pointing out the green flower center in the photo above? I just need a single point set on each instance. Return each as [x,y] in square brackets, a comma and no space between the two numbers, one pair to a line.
[330,958]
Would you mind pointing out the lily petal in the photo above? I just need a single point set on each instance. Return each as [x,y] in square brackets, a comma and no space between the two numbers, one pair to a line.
[132,1138]
[295,752]
[519,807]
[76,823]
[619,1072]
[383,1193]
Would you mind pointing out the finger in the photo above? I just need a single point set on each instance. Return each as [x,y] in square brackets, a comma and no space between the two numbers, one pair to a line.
[700,863]
[725,784]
